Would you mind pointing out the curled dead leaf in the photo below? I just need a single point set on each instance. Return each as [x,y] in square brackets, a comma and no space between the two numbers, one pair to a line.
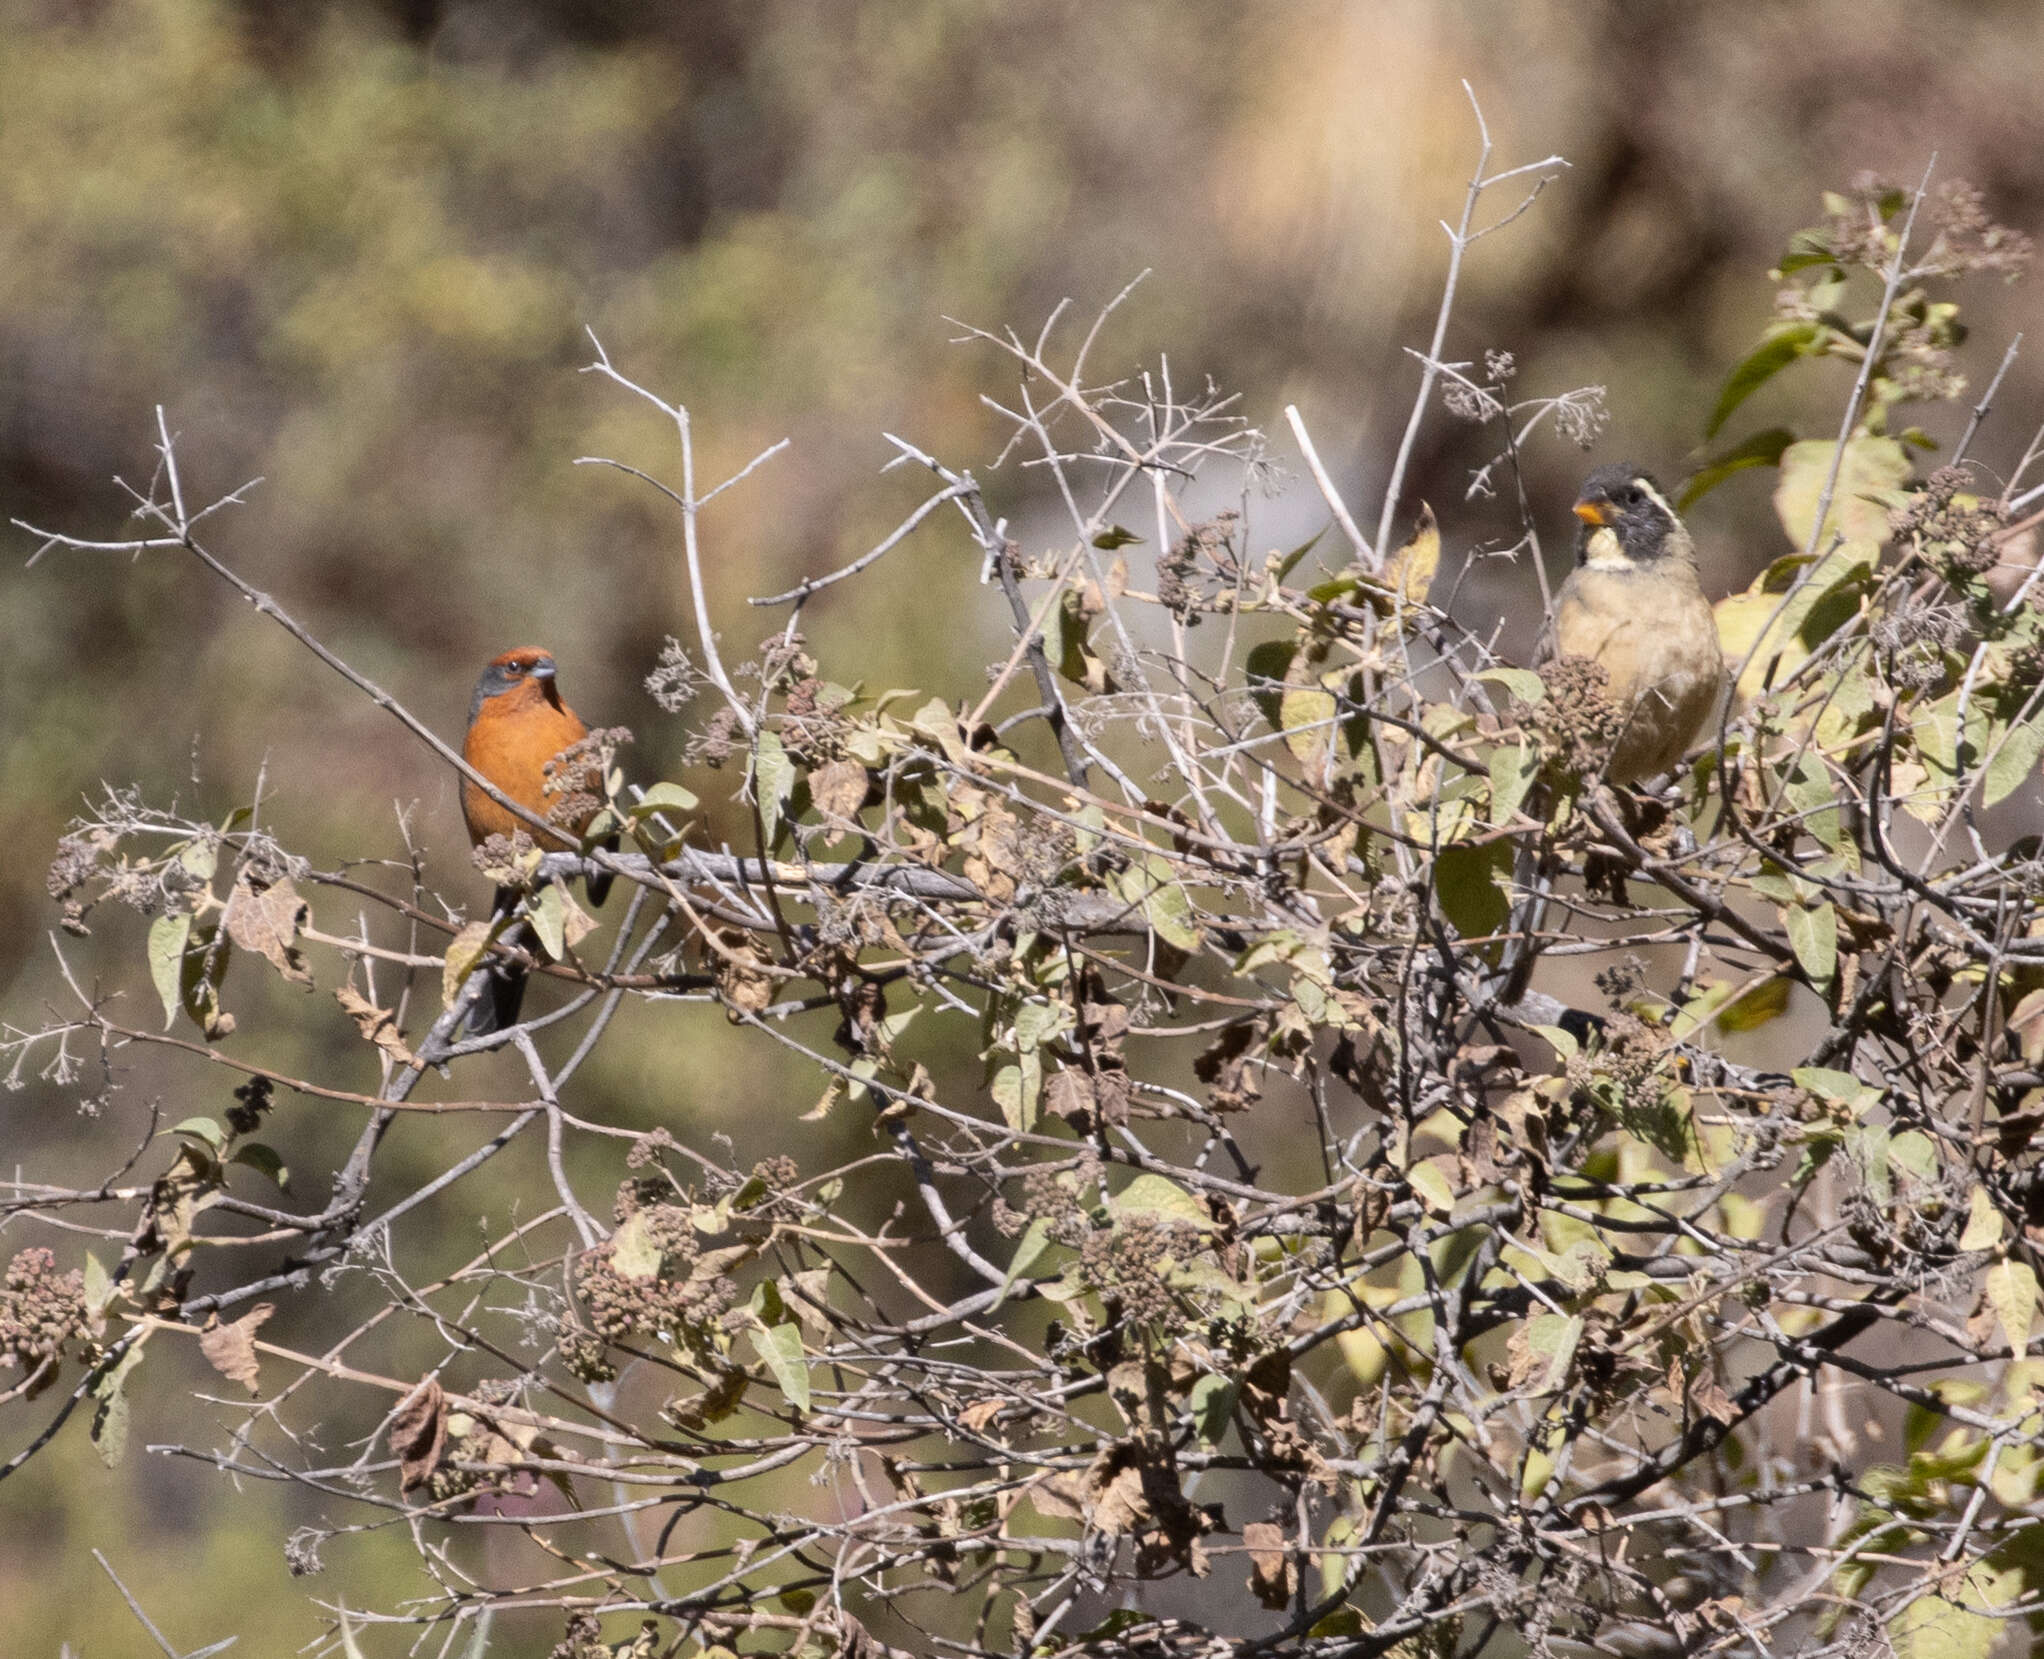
[231,1350]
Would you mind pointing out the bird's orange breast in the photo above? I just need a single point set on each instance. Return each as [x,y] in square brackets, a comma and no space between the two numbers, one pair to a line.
[510,742]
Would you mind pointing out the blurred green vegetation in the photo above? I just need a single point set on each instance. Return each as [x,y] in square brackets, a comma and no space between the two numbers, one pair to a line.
[354,247]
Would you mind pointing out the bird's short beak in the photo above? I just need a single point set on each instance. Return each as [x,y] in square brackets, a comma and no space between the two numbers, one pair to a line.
[543,671]
[1593,512]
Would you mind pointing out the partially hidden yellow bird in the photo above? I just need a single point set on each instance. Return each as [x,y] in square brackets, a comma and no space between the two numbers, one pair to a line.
[1634,605]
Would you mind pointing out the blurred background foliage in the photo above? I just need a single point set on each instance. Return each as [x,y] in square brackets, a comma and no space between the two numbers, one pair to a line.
[353,247]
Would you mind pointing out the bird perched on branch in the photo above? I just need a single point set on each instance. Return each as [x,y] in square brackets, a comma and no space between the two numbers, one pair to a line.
[517,725]
[1634,609]
[1633,606]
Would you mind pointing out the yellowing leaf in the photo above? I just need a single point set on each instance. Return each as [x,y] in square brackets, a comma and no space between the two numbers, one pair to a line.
[1870,480]
[2012,1293]
[1409,572]
[1983,1222]
[463,954]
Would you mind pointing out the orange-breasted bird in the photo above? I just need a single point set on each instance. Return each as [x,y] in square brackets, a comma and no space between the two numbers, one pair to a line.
[517,723]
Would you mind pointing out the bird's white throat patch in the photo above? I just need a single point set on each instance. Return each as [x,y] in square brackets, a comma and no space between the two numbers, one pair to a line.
[1604,551]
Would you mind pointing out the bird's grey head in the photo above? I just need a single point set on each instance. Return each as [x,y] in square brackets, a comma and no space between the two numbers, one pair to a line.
[1627,502]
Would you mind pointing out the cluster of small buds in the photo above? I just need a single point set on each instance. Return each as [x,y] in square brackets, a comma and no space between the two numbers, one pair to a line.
[1957,538]
[1125,1260]
[1629,1059]
[721,738]
[40,1310]
[1185,573]
[575,780]
[674,1299]
[1577,718]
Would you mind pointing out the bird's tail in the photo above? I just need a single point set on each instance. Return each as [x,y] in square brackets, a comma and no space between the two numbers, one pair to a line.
[597,886]
[498,1007]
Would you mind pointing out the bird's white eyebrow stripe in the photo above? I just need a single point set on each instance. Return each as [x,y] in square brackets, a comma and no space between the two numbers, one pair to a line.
[1645,487]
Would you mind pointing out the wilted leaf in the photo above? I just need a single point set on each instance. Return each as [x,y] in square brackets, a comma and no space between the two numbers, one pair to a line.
[265,918]
[231,1349]
[418,1434]
[837,791]
[378,1025]
[1273,1572]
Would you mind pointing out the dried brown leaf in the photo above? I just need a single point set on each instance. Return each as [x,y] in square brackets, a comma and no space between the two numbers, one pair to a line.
[265,917]
[418,1434]
[378,1025]
[1273,1573]
[231,1349]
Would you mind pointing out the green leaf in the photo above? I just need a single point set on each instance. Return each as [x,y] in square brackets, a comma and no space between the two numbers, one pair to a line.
[1028,1250]
[211,1131]
[1264,671]
[110,1410]
[1430,1185]
[1522,683]
[548,915]
[1840,1086]
[99,1285]
[2011,764]
[1763,449]
[664,797]
[1984,1228]
[1017,1088]
[1933,1628]
[1813,935]
[1513,767]
[1153,885]
[1155,1195]
[780,1350]
[1306,716]
[1807,248]
[773,781]
[266,1161]
[1466,885]
[167,936]
[1764,1002]
[1290,561]
[1556,1336]
[1213,1403]
[1781,348]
